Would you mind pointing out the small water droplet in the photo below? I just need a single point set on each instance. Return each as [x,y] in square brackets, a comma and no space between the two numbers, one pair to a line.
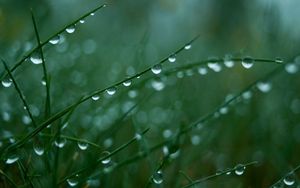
[187,46]
[224,110]
[195,140]
[247,95]
[82,145]
[95,97]
[247,62]
[264,86]
[81,21]
[138,136]
[239,169]
[214,66]
[36,58]
[92,14]
[12,159]
[55,40]
[72,181]
[228,62]
[106,159]
[228,171]
[156,69]
[43,81]
[38,149]
[70,29]
[157,84]
[111,91]
[291,68]
[127,83]
[202,70]
[157,177]
[278,60]
[60,142]
[289,179]
[172,58]
[7,82]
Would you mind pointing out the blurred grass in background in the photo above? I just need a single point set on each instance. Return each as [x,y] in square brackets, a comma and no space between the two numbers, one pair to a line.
[129,36]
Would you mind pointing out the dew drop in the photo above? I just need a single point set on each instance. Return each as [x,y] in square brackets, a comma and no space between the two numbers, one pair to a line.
[239,169]
[111,91]
[228,62]
[95,97]
[106,159]
[224,110]
[289,179]
[55,40]
[82,145]
[264,86]
[187,46]
[38,149]
[70,29]
[247,62]
[36,58]
[202,70]
[157,84]
[127,83]
[81,21]
[214,66]
[43,81]
[6,82]
[138,136]
[172,58]
[60,142]
[92,14]
[291,68]
[12,159]
[72,181]
[247,95]
[156,69]
[278,60]
[157,177]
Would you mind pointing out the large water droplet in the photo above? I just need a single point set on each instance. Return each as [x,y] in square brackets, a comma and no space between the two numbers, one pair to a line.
[156,69]
[111,91]
[38,149]
[12,159]
[106,157]
[172,58]
[36,58]
[7,82]
[247,62]
[70,29]
[95,97]
[72,181]
[60,142]
[82,145]
[264,86]
[239,169]
[291,68]
[55,40]
[289,179]
[157,177]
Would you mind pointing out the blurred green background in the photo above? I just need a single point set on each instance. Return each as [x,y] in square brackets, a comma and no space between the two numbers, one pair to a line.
[127,37]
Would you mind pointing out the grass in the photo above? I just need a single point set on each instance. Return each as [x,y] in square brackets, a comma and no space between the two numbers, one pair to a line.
[123,147]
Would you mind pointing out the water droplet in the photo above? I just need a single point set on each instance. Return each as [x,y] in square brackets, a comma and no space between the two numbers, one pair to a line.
[172,58]
[187,46]
[202,70]
[157,84]
[111,91]
[156,69]
[12,159]
[291,68]
[55,40]
[195,140]
[228,171]
[36,58]
[289,179]
[43,81]
[278,60]
[228,62]
[214,66]
[60,142]
[92,14]
[7,82]
[247,95]
[138,136]
[38,149]
[81,21]
[95,97]
[70,29]
[106,159]
[127,83]
[247,62]
[224,110]
[239,169]
[82,145]
[72,181]
[264,86]
[157,177]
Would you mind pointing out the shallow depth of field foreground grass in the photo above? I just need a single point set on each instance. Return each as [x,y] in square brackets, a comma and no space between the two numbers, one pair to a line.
[138,93]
